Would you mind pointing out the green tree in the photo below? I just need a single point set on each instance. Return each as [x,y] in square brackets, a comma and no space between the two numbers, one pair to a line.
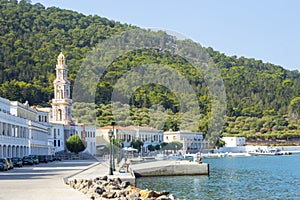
[175,145]
[151,147]
[220,143]
[118,143]
[157,147]
[137,144]
[75,144]
[294,108]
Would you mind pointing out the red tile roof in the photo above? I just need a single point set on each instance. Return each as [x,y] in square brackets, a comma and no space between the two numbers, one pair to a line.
[130,128]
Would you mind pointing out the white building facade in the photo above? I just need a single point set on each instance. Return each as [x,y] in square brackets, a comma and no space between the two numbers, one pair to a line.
[148,135]
[192,141]
[57,137]
[38,127]
[21,132]
[14,132]
[38,138]
[234,141]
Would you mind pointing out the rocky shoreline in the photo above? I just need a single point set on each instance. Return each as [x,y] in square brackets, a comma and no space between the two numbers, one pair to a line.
[104,188]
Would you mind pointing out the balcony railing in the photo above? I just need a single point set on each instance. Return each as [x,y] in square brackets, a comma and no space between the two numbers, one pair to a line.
[39,142]
[39,125]
[12,118]
[8,140]
[62,101]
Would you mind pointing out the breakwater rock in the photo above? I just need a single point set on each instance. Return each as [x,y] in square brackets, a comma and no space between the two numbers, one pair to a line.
[104,188]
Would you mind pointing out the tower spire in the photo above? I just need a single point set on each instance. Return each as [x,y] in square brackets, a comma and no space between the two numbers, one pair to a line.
[62,103]
[61,61]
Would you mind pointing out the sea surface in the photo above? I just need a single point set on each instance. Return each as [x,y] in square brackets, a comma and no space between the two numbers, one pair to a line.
[257,177]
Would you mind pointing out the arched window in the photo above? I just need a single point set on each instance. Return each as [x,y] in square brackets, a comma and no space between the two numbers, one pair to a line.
[59,115]
[61,94]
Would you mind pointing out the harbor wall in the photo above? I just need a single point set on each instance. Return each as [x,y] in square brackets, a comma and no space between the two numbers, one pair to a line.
[178,168]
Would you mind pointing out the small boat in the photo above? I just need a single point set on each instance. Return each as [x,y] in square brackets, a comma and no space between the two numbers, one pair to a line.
[136,160]
[214,155]
[238,154]
[269,152]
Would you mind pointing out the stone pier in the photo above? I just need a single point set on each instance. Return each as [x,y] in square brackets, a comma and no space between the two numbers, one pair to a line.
[169,168]
[143,169]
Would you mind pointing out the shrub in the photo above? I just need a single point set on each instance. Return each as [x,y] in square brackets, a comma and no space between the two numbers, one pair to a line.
[74,144]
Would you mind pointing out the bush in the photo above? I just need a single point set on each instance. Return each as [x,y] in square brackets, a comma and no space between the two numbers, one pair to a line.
[74,144]
[151,147]
[137,144]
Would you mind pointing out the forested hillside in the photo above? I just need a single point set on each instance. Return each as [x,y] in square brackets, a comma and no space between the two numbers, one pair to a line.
[31,37]
[261,97]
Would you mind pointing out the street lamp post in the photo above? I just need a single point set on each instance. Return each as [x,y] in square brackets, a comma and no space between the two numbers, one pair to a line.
[113,155]
[110,135]
[160,147]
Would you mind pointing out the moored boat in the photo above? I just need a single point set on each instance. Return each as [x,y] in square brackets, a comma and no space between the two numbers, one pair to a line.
[268,152]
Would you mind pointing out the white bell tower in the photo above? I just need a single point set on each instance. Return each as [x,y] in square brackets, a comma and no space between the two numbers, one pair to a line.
[61,104]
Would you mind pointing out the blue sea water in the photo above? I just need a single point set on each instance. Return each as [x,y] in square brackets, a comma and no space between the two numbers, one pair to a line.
[261,177]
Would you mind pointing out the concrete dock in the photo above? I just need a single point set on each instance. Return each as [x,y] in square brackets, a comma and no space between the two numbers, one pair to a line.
[153,168]
[169,168]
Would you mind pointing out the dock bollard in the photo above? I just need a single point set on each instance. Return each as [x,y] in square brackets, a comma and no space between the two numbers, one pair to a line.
[200,161]
[208,169]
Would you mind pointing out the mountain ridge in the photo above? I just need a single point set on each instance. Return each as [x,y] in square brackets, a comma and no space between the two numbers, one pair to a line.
[32,35]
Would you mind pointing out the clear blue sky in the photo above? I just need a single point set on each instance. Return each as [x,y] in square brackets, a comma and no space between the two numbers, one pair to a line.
[268,30]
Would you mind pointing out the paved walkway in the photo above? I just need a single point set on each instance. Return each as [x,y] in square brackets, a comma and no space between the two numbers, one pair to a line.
[102,169]
[43,181]
[96,170]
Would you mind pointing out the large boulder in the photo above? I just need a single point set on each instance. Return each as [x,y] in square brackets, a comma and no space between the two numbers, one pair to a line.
[125,184]
[115,189]
[109,195]
[99,190]
[117,181]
